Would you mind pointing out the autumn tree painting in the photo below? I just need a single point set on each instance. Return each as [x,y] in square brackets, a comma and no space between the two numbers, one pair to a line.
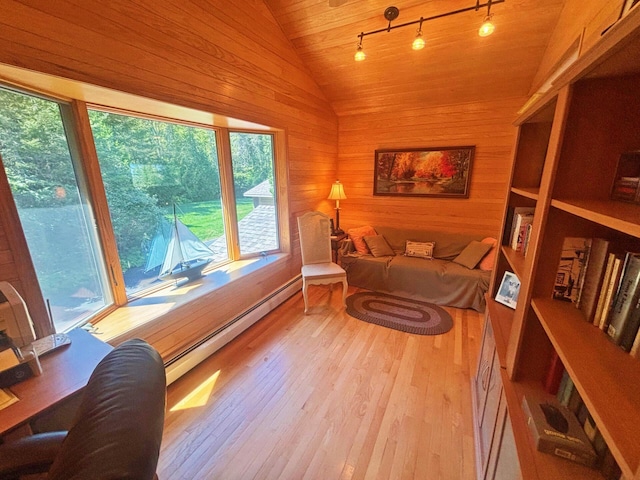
[438,172]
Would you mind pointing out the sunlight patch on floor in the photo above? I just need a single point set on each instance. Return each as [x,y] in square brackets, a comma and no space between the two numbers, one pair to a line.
[199,396]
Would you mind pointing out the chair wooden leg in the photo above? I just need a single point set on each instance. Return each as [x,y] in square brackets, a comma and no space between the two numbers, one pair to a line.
[345,286]
[305,296]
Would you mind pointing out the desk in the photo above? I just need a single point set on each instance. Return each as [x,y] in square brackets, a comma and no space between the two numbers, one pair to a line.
[65,371]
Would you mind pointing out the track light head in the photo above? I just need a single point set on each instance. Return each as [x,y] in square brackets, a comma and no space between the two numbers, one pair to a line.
[487,27]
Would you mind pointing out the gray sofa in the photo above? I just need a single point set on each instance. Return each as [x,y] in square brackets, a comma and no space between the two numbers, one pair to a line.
[438,281]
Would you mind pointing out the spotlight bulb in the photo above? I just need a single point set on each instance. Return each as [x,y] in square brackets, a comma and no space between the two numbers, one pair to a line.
[359,56]
[418,42]
[487,28]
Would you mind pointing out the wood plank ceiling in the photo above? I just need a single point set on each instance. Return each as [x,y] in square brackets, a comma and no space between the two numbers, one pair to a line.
[456,65]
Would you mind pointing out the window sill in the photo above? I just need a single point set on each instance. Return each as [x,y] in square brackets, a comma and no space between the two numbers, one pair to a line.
[140,313]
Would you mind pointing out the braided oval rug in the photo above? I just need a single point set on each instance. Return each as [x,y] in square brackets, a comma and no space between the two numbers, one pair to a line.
[404,314]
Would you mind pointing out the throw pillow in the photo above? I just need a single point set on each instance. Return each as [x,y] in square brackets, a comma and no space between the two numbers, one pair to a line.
[378,245]
[487,262]
[472,254]
[420,249]
[357,236]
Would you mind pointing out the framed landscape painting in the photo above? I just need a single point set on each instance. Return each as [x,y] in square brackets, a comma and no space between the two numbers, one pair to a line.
[423,172]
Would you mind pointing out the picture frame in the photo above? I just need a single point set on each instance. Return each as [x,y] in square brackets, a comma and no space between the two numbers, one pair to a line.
[423,172]
[509,290]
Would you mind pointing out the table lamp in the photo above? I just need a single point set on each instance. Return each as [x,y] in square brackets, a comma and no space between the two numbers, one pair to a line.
[337,194]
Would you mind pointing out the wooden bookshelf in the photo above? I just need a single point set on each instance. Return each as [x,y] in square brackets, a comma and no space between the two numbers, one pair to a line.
[565,159]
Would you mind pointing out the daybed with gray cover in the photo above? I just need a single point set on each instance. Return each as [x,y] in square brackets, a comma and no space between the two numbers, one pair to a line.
[443,280]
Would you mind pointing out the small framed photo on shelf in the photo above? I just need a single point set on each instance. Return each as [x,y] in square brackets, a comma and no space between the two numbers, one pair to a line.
[626,185]
[509,290]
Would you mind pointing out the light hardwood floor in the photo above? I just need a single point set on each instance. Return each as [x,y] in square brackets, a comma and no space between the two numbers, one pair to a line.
[326,396]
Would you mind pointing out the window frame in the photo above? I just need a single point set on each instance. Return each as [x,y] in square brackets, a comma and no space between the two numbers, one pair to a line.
[276,181]
[81,144]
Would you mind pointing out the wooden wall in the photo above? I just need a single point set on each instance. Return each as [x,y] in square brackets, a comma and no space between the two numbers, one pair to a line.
[487,125]
[585,19]
[230,58]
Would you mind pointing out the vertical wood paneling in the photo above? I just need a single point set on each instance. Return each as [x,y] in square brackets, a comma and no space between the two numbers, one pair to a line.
[487,125]
[579,18]
[229,58]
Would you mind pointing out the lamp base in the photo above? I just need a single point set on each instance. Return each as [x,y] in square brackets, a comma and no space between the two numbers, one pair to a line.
[337,230]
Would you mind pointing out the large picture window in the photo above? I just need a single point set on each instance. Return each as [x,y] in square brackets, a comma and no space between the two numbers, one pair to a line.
[162,181]
[160,196]
[56,217]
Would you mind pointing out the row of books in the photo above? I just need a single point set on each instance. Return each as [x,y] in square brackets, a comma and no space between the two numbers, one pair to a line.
[521,226]
[604,284]
[558,382]
[569,397]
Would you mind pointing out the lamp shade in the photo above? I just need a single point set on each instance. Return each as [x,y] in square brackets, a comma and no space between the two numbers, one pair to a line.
[337,191]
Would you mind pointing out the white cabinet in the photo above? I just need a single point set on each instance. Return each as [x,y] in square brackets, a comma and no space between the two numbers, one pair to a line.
[495,448]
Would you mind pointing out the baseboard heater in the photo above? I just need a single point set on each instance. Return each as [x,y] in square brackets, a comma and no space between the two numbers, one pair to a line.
[185,361]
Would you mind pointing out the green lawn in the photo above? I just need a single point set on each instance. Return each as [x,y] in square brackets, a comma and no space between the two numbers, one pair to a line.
[204,219]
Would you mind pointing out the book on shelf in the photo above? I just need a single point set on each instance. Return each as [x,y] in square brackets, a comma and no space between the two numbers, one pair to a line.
[527,238]
[554,375]
[564,389]
[512,214]
[624,312]
[635,348]
[605,461]
[571,268]
[593,276]
[556,430]
[626,189]
[612,290]
[569,397]
[609,467]
[519,230]
[626,186]
[606,280]
[631,333]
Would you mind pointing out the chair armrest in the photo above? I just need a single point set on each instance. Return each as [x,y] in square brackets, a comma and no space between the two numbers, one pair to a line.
[30,454]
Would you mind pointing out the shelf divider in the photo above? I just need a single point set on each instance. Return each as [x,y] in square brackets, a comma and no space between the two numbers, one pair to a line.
[531,193]
[621,216]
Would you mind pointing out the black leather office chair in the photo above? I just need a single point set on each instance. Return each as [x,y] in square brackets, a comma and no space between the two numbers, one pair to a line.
[118,427]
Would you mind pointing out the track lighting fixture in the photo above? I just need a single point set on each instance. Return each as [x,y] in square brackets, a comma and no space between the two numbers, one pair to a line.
[418,42]
[487,26]
[391,13]
[360,56]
